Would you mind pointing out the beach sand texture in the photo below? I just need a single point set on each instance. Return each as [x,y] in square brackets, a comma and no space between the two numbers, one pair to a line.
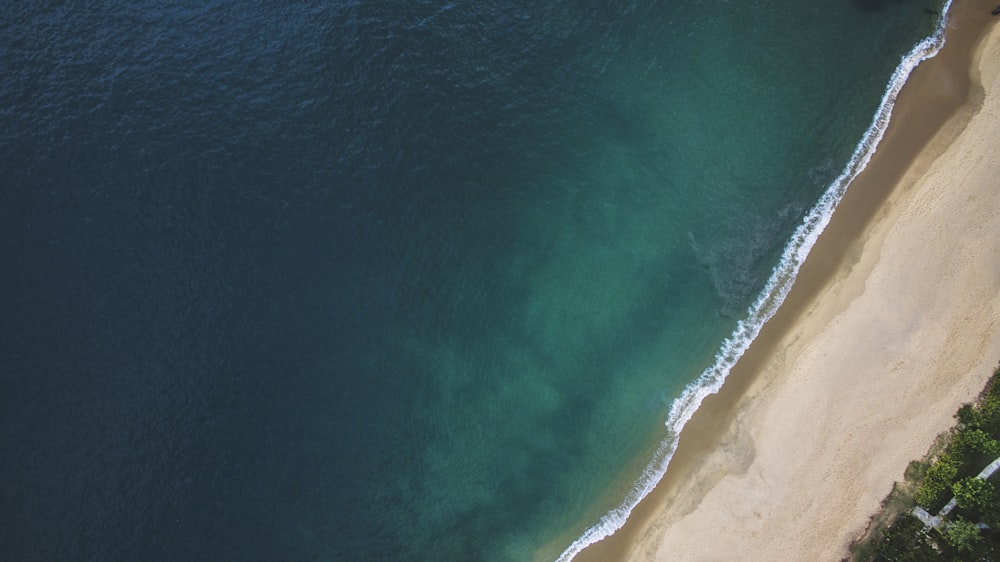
[894,322]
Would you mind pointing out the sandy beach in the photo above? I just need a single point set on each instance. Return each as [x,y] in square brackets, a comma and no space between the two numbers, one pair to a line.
[893,323]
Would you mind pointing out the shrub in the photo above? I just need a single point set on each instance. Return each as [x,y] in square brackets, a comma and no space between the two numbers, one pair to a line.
[937,482]
[970,417]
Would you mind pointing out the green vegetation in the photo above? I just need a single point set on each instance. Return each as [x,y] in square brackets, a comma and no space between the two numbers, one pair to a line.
[975,441]
[974,493]
[971,531]
[964,535]
[934,490]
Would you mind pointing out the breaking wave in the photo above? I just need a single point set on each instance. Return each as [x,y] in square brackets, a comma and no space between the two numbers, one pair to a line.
[769,300]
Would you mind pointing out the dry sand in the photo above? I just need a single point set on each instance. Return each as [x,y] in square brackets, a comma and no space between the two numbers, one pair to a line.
[893,323]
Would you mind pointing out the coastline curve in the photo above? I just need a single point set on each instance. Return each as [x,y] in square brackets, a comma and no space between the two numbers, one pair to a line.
[768,301]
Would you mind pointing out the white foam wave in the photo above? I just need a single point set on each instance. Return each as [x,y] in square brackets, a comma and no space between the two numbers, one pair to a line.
[767,303]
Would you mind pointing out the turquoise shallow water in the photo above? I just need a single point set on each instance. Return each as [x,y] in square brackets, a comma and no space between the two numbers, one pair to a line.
[407,281]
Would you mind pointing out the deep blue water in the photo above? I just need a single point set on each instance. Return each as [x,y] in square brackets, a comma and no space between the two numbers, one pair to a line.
[387,281]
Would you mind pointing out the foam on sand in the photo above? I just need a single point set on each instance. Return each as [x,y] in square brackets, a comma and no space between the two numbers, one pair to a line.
[767,303]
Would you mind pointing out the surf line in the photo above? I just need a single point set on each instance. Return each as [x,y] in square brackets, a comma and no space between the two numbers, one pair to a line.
[770,299]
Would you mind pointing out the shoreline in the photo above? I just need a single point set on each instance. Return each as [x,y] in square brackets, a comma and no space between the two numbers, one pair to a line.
[721,444]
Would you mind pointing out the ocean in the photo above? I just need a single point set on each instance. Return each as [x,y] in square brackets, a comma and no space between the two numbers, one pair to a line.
[397,280]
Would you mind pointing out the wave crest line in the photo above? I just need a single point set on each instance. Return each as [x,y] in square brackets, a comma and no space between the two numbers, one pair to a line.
[767,303]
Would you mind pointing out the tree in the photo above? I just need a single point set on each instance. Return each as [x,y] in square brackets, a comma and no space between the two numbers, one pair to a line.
[963,535]
[974,493]
[970,417]
[937,481]
[989,409]
[904,541]
[976,440]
